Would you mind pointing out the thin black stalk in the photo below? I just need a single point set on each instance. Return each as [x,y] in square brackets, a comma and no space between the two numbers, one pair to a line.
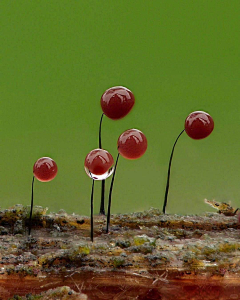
[100,132]
[169,171]
[102,205]
[92,210]
[31,210]
[110,194]
[236,211]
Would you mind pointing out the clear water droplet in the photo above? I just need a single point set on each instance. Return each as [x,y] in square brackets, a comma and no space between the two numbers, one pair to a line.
[100,177]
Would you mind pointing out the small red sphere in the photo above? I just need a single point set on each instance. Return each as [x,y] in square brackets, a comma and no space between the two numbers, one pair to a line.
[98,162]
[45,169]
[117,102]
[132,144]
[198,125]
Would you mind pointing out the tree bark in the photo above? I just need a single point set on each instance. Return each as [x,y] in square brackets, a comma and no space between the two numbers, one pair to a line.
[146,255]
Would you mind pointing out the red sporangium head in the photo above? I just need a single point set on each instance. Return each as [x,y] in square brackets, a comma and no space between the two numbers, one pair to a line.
[99,164]
[117,102]
[132,144]
[199,125]
[45,169]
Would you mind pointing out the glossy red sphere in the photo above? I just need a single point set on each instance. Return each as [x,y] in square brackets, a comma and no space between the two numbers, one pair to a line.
[117,102]
[45,169]
[132,144]
[199,125]
[98,161]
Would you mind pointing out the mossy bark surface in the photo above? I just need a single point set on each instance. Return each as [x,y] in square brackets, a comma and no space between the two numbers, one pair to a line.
[146,255]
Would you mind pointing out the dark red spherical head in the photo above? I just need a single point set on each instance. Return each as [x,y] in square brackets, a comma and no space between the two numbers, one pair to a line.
[132,144]
[199,125]
[45,169]
[98,162]
[117,102]
[239,218]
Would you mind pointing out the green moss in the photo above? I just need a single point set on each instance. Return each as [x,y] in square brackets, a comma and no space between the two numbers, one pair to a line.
[117,261]
[192,261]
[101,246]
[179,233]
[145,249]
[142,239]
[208,250]
[158,259]
[228,247]
[123,244]
[80,248]
[16,297]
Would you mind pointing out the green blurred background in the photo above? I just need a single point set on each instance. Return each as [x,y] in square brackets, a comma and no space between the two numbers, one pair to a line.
[58,57]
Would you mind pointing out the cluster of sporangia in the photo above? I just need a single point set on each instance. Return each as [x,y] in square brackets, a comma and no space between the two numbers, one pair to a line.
[116,103]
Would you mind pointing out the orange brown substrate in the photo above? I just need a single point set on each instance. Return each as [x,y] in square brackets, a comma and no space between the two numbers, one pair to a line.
[146,255]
